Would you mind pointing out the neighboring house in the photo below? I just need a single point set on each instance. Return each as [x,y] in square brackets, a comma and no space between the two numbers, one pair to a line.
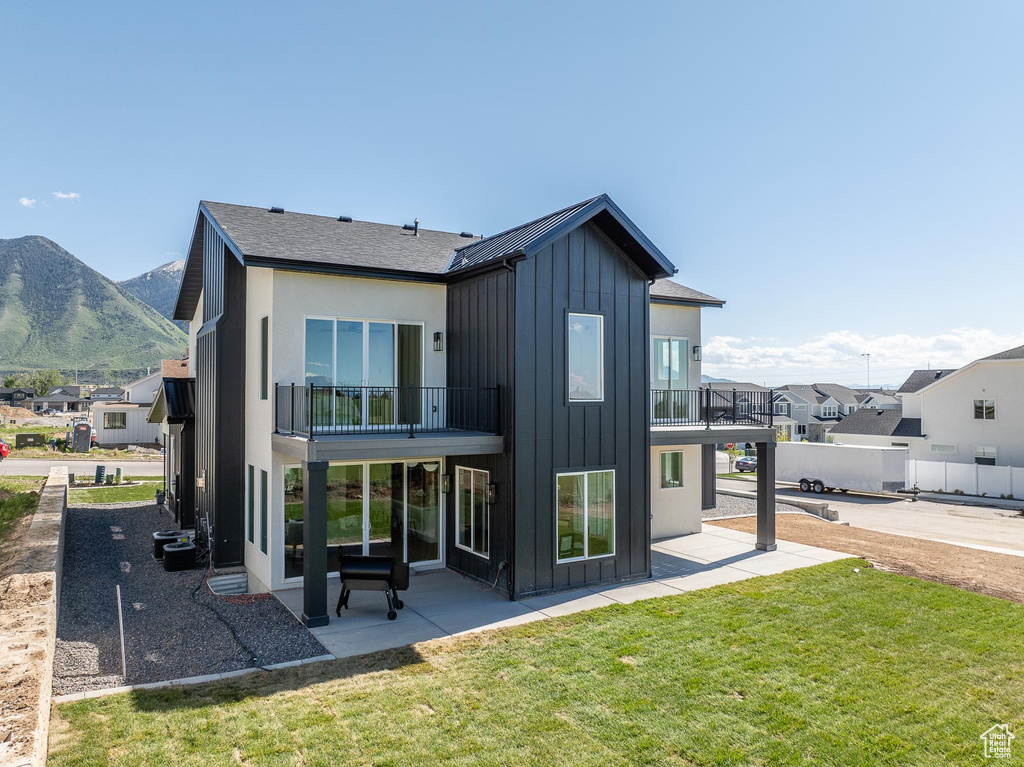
[879,400]
[123,422]
[814,409]
[174,410]
[879,428]
[515,408]
[106,394]
[974,414]
[63,399]
[16,397]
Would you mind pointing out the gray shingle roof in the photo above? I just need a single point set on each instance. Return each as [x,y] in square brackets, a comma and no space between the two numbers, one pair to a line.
[804,392]
[1010,354]
[674,292]
[730,385]
[879,423]
[922,378]
[106,390]
[303,237]
[844,395]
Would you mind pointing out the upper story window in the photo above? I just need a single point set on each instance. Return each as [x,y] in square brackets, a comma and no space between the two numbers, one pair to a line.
[586,357]
[669,363]
[781,408]
[850,409]
[829,411]
[264,356]
[985,409]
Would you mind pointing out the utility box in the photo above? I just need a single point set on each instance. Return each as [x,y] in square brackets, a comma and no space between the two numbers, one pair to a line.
[82,439]
[29,440]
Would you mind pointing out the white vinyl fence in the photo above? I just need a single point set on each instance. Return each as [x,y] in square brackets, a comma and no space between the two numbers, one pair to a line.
[966,478]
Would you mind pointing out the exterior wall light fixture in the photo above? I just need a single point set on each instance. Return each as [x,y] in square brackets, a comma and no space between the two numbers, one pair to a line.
[438,341]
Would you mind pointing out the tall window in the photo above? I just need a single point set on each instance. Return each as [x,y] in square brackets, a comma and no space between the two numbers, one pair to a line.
[115,420]
[471,522]
[985,409]
[586,357]
[263,511]
[251,516]
[672,469]
[264,354]
[586,515]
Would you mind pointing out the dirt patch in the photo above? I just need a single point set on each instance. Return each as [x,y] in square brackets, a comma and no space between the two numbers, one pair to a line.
[984,572]
[16,412]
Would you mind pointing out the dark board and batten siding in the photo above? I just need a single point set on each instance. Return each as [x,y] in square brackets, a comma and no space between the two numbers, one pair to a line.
[581,271]
[220,399]
[479,354]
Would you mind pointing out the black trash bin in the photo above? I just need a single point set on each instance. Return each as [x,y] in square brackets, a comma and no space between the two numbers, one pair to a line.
[162,537]
[179,556]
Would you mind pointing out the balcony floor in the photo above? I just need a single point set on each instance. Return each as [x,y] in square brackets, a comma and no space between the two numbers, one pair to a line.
[366,447]
[442,603]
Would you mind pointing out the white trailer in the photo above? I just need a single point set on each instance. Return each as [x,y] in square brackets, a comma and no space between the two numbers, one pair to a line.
[823,468]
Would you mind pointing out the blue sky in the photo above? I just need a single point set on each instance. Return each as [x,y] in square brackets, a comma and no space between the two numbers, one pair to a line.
[847,176]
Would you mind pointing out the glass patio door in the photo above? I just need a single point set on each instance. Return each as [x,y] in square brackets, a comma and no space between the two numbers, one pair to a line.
[669,377]
[364,361]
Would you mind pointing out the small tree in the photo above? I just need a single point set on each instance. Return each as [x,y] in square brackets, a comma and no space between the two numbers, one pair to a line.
[43,381]
[11,382]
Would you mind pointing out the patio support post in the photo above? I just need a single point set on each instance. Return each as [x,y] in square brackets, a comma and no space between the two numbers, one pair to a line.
[765,496]
[314,544]
[708,477]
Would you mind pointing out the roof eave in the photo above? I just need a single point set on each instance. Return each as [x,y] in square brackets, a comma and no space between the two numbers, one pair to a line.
[697,302]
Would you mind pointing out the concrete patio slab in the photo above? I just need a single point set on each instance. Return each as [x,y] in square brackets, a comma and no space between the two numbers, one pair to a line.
[443,603]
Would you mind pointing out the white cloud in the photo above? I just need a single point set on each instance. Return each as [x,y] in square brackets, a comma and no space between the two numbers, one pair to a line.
[837,356]
[26,202]
[67,195]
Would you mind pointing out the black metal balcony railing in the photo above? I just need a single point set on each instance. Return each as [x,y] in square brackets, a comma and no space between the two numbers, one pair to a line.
[711,407]
[311,411]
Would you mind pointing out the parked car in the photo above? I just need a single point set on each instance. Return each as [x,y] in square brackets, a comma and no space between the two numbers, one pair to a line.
[5,450]
[746,463]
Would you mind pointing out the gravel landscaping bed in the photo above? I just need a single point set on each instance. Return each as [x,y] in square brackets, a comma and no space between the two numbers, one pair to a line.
[174,627]
[731,506]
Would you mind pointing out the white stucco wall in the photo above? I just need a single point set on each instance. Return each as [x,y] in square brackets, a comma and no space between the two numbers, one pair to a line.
[918,447]
[947,412]
[259,425]
[298,295]
[679,322]
[911,404]
[676,510]
[193,331]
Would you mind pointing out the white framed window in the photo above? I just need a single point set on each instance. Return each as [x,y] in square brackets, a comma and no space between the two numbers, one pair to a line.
[985,409]
[670,363]
[115,420]
[585,518]
[801,407]
[585,352]
[781,408]
[472,524]
[850,409]
[671,469]
[829,411]
[943,448]
[251,507]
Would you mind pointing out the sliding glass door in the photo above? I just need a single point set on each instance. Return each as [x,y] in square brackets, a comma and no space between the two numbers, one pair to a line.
[669,378]
[390,508]
[376,369]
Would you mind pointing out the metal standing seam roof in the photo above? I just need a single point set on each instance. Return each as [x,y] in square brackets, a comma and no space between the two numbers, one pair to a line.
[512,240]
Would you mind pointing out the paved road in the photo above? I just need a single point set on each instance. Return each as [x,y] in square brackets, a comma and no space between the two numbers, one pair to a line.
[40,467]
[977,526]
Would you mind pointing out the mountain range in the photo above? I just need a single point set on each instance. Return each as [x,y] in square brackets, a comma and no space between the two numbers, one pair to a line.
[159,289]
[57,312]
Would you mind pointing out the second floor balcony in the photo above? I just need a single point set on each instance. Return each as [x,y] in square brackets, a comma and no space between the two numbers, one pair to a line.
[709,407]
[313,411]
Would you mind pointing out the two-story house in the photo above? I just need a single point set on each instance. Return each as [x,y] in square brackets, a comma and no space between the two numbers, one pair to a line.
[523,408]
[974,414]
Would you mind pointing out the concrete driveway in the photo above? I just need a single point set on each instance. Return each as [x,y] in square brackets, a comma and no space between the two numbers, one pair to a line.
[1000,530]
[40,467]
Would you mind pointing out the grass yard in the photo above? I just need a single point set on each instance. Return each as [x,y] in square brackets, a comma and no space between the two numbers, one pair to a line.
[116,493]
[19,497]
[823,666]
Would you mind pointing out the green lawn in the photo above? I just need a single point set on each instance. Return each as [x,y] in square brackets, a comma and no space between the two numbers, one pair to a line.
[823,666]
[19,496]
[117,493]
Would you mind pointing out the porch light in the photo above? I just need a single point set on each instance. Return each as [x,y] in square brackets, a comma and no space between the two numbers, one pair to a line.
[492,493]
[438,341]
[696,353]
[446,483]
